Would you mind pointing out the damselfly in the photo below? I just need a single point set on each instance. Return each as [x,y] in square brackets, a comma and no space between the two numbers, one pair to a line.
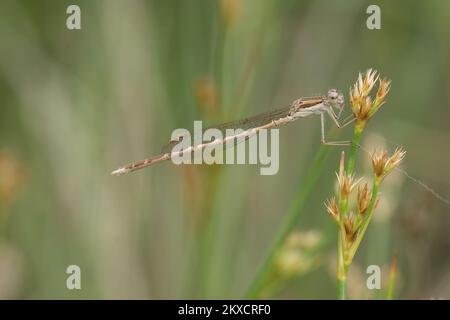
[331,104]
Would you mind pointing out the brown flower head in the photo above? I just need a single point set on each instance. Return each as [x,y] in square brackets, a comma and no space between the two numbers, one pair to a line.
[383,165]
[332,208]
[383,90]
[346,184]
[363,198]
[350,226]
[363,106]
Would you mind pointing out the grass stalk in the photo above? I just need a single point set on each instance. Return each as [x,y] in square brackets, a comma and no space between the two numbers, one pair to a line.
[343,206]
[392,276]
[342,273]
[354,150]
[370,210]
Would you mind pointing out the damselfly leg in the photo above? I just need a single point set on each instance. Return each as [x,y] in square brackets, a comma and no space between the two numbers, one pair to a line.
[334,117]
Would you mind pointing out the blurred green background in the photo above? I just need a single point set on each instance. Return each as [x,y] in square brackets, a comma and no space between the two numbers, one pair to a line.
[75,105]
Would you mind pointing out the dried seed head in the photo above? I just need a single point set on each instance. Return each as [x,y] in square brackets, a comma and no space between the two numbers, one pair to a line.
[382,165]
[383,90]
[370,79]
[354,99]
[364,109]
[364,85]
[395,160]
[363,106]
[332,208]
[379,160]
[363,198]
[346,184]
[350,226]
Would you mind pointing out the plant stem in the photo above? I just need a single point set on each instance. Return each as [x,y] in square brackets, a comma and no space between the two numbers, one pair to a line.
[392,276]
[369,213]
[288,222]
[342,288]
[342,273]
[354,149]
[343,261]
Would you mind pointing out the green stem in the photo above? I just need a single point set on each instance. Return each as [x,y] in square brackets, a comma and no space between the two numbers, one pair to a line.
[343,261]
[342,272]
[366,222]
[343,203]
[288,223]
[342,288]
[390,293]
[354,149]
[392,276]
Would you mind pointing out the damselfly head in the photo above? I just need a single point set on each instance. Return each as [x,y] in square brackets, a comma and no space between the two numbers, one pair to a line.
[335,99]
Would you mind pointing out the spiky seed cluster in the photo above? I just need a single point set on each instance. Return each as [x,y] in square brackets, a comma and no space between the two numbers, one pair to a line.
[383,165]
[350,226]
[395,159]
[332,208]
[379,160]
[346,184]
[383,90]
[363,198]
[363,106]
[359,94]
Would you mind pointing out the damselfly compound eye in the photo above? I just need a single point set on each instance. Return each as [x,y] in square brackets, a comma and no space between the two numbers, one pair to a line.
[333,94]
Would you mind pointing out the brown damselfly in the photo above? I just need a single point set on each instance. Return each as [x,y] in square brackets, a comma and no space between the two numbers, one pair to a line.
[303,107]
